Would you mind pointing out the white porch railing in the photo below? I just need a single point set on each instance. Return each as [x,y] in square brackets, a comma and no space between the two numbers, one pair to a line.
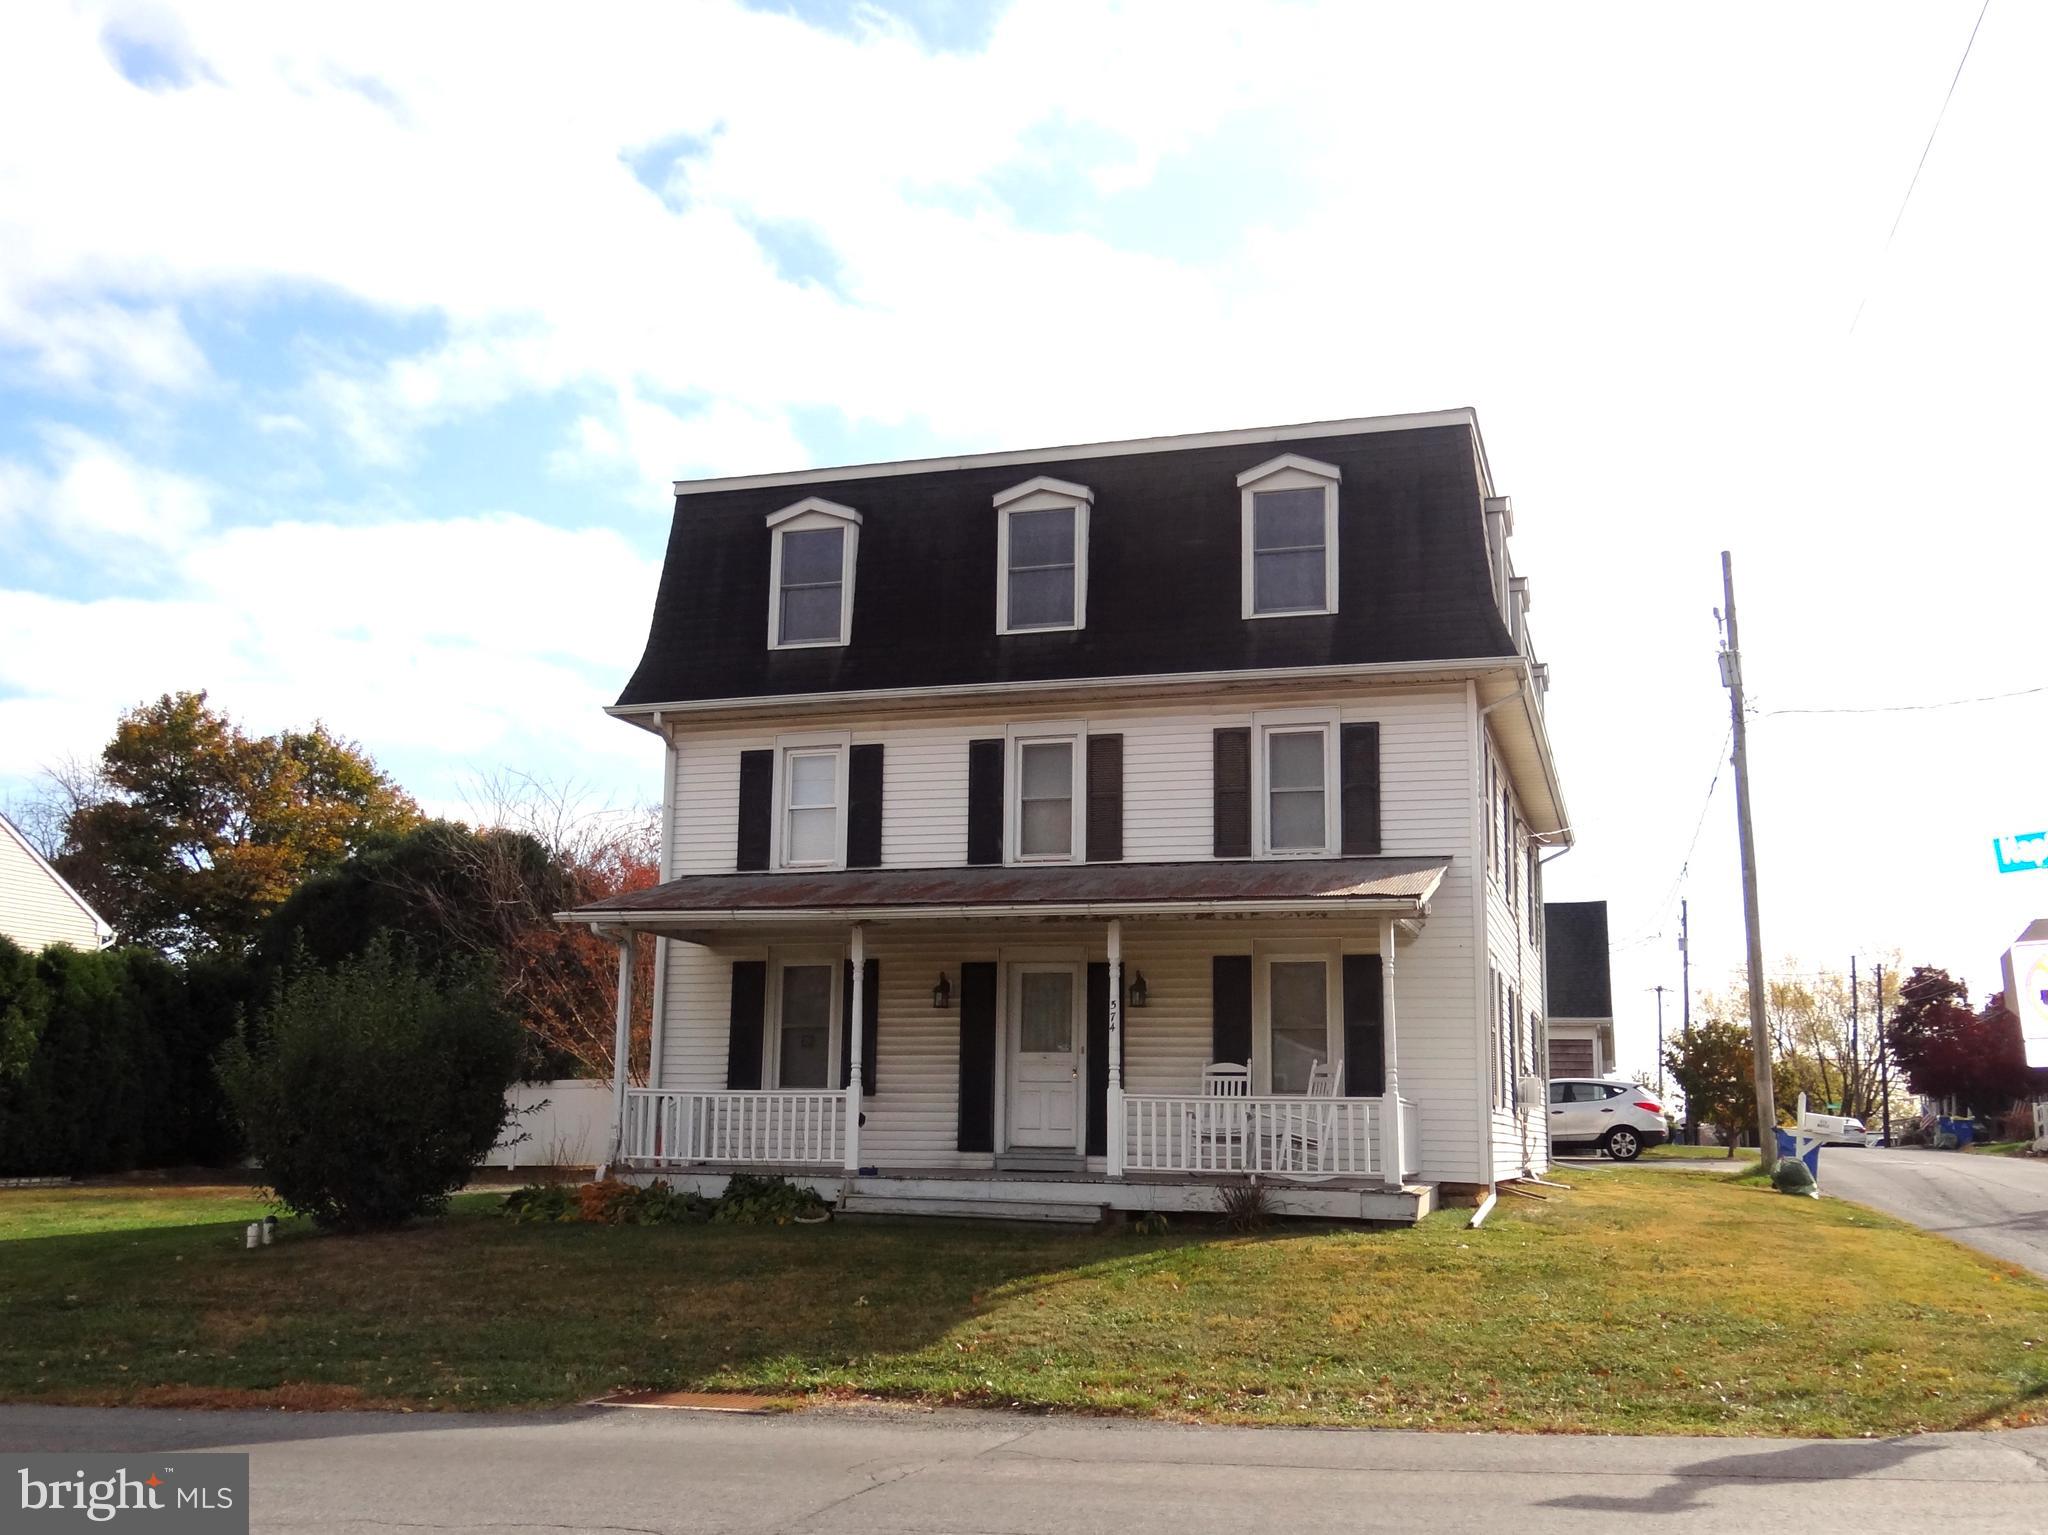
[805,1128]
[1286,1135]
[1411,1139]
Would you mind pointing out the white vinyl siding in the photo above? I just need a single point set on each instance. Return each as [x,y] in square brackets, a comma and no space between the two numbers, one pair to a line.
[1426,810]
[36,910]
[1521,1132]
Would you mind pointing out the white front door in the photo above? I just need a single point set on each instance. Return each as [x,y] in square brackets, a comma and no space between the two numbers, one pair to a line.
[1045,1056]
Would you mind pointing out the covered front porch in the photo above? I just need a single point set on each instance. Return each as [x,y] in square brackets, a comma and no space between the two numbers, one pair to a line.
[1045,1060]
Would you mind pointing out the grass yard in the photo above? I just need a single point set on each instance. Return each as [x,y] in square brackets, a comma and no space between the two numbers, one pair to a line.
[1641,1305]
[1671,1153]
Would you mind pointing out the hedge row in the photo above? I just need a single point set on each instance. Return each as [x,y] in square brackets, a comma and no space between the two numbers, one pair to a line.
[106,1060]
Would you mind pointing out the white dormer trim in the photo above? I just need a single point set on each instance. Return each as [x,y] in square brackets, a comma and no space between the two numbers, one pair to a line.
[1272,466]
[1290,471]
[812,512]
[1040,494]
[1045,485]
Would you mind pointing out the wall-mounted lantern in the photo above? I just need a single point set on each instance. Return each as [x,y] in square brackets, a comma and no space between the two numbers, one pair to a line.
[942,994]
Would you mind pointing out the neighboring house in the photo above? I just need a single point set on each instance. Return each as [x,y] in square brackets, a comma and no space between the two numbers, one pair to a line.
[38,907]
[1008,795]
[1580,992]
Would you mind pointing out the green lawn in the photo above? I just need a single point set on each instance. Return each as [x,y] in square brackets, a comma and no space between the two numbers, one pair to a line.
[1671,1153]
[1644,1305]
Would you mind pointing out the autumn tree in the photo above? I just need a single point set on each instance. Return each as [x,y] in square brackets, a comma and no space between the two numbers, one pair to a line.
[1948,1050]
[486,896]
[1715,1068]
[192,830]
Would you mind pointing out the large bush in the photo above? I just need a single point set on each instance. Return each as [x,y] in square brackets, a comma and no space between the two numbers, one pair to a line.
[368,1092]
[106,1060]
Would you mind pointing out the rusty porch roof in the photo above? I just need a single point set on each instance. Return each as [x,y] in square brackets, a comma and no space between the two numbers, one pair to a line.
[1401,886]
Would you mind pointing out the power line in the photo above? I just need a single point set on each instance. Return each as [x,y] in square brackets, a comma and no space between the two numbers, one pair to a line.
[1924,151]
[1947,703]
[1685,866]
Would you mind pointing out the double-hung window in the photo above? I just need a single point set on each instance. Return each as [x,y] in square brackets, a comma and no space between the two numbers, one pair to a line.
[1046,776]
[1289,537]
[1042,556]
[811,827]
[810,574]
[1295,773]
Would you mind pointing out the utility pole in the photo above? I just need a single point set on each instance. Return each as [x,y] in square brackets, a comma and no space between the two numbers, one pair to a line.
[1752,922]
[1660,990]
[1853,1083]
[1692,1134]
[1884,1060]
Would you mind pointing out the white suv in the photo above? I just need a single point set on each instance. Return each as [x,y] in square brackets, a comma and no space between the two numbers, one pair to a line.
[1620,1118]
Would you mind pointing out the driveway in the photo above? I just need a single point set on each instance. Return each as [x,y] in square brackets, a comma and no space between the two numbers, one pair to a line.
[654,1472]
[1997,1205]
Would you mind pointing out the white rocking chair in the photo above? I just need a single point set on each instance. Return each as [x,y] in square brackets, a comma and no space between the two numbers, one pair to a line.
[1313,1130]
[1220,1127]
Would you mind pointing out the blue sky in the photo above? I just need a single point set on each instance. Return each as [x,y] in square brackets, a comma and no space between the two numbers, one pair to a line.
[344,363]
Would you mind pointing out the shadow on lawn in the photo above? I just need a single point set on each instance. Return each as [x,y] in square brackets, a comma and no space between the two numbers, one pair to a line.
[1819,1463]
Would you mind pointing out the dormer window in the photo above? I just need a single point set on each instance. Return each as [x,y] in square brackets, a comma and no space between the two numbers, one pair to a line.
[810,574]
[1289,536]
[1042,556]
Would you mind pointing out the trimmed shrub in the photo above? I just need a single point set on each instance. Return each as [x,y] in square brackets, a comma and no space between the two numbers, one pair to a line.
[541,1202]
[369,1092]
[753,1200]
[610,1203]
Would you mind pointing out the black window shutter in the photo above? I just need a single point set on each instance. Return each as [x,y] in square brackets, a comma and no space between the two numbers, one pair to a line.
[864,807]
[749,1015]
[985,801]
[1365,1027]
[757,809]
[1359,765]
[977,1056]
[1233,791]
[1230,1009]
[870,978]
[1105,799]
[1097,1143]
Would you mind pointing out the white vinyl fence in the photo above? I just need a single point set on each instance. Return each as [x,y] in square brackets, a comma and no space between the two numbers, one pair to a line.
[566,1124]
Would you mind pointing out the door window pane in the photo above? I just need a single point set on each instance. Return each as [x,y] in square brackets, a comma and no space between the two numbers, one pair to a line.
[1045,791]
[1046,1023]
[811,573]
[812,791]
[1298,1005]
[1294,791]
[806,1026]
[1288,551]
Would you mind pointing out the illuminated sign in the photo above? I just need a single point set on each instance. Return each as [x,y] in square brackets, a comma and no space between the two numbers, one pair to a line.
[2028,850]
[2026,989]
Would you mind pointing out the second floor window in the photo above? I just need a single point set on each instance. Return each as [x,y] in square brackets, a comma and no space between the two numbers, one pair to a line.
[1297,818]
[810,834]
[1045,800]
[811,565]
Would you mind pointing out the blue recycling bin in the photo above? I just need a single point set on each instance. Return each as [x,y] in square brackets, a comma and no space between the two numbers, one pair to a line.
[1963,1130]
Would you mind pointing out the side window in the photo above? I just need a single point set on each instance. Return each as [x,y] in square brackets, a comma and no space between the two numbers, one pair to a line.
[810,803]
[1560,1092]
[1045,784]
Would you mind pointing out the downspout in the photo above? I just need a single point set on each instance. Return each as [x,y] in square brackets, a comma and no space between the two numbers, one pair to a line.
[664,865]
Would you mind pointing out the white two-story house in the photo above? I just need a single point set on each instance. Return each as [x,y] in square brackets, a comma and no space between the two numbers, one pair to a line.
[1086,827]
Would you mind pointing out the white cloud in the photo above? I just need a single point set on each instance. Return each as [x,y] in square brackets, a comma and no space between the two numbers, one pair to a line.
[94,345]
[98,500]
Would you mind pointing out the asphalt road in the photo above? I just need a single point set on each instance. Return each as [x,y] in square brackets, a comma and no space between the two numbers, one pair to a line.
[1997,1205]
[652,1472]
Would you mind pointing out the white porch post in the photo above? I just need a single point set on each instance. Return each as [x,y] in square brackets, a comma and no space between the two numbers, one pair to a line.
[622,1045]
[1390,1105]
[1113,1104]
[856,1028]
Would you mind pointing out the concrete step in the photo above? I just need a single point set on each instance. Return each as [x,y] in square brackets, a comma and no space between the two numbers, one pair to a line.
[962,1207]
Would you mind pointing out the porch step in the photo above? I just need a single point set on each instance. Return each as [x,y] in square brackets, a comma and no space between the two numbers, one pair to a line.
[1040,1162]
[967,1208]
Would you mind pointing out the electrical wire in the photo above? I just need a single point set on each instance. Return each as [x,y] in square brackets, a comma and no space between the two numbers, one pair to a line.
[1947,703]
[1925,150]
[1685,867]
